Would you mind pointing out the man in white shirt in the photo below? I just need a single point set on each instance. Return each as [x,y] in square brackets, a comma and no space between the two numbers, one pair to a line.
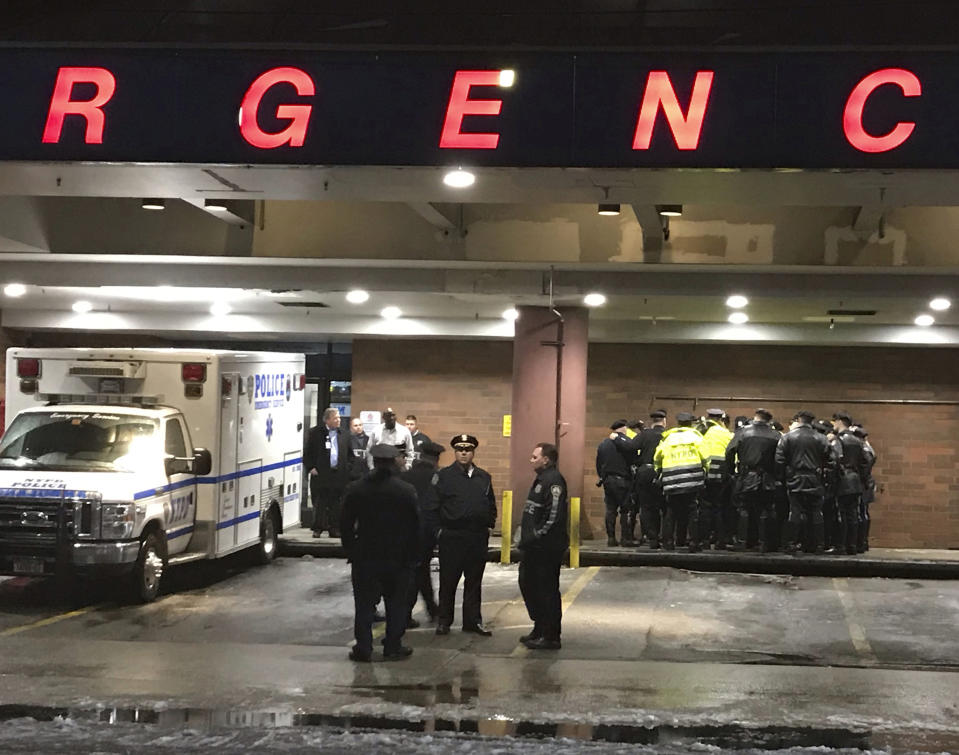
[394,435]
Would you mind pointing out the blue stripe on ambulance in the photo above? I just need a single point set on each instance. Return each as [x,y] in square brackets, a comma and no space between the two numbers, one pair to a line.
[212,480]
[180,532]
[237,520]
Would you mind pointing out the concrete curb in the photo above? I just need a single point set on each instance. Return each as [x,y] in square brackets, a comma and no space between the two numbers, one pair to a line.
[712,561]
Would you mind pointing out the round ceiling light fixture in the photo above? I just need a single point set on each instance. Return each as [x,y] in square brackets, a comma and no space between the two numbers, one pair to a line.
[737,301]
[738,318]
[82,307]
[459,179]
[357,296]
[14,290]
[511,314]
[391,313]
[924,321]
[940,304]
[594,300]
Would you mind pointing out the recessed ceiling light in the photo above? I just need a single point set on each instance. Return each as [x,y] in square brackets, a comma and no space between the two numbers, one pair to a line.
[594,300]
[607,208]
[214,205]
[737,301]
[924,321]
[671,210]
[357,296]
[14,289]
[459,178]
[507,77]
[391,313]
[82,306]
[153,204]
[220,308]
[940,303]
[511,314]
[738,318]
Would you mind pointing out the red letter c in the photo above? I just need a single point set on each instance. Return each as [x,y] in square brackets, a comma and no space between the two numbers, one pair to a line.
[299,115]
[852,115]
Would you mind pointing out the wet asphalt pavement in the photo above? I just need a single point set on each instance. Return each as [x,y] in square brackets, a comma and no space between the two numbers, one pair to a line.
[644,650]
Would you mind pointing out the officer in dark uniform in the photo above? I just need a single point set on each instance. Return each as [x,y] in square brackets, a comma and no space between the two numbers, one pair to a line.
[467,510]
[420,476]
[543,542]
[830,508]
[801,456]
[380,533]
[359,440]
[614,475]
[852,473]
[868,489]
[752,454]
[646,488]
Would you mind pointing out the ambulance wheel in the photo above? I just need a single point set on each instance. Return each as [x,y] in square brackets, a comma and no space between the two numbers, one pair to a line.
[148,570]
[269,538]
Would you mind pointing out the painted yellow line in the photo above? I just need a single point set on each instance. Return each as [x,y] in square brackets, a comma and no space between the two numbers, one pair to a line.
[856,632]
[571,594]
[46,622]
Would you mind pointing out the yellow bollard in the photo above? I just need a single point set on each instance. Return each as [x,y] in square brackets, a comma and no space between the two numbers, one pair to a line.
[507,527]
[574,533]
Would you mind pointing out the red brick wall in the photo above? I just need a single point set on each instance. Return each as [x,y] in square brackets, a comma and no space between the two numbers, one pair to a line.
[917,446]
[451,386]
[465,386]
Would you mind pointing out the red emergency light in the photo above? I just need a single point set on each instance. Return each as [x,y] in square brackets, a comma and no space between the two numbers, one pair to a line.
[193,372]
[28,368]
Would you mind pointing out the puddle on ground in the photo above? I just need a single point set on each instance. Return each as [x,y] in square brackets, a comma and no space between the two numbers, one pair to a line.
[723,736]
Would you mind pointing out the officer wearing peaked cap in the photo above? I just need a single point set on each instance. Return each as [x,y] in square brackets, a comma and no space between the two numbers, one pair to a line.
[420,476]
[715,516]
[614,474]
[853,471]
[646,488]
[467,512]
[751,454]
[681,463]
[801,457]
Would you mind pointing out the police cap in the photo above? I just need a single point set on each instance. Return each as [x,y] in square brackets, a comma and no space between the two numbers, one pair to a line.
[464,441]
[859,431]
[431,449]
[843,415]
[764,413]
[715,413]
[618,423]
[684,417]
[657,414]
[805,414]
[384,451]
[822,426]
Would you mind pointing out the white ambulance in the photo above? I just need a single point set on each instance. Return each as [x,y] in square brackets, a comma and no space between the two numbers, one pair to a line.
[125,461]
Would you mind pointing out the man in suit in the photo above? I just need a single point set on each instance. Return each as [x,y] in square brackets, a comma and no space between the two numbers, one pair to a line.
[328,459]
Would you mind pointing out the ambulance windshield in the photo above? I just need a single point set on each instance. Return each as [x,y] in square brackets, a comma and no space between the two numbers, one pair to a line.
[78,441]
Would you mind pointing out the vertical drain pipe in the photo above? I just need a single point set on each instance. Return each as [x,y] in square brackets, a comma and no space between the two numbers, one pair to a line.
[558,343]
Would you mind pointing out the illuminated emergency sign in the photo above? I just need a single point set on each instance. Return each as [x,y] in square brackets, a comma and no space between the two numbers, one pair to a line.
[551,109]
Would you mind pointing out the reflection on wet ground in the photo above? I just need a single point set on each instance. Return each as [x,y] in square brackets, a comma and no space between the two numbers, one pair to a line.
[725,737]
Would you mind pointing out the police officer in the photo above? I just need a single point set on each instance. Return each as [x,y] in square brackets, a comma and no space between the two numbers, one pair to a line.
[801,457]
[418,436]
[380,533]
[543,541]
[646,487]
[681,464]
[852,472]
[713,517]
[614,475]
[358,443]
[467,512]
[751,454]
[420,476]
[868,489]
[830,509]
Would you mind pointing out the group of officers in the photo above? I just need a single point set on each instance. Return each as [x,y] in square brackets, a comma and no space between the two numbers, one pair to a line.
[394,516]
[806,488]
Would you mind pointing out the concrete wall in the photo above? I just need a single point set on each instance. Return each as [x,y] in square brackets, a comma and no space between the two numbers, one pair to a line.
[465,387]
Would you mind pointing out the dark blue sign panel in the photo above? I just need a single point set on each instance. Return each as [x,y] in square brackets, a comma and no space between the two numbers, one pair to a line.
[706,110]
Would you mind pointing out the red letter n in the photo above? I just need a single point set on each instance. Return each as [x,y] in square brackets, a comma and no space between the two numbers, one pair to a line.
[685,128]
[461,105]
[61,105]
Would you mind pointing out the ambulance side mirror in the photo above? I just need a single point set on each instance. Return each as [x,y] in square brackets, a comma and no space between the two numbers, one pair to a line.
[202,462]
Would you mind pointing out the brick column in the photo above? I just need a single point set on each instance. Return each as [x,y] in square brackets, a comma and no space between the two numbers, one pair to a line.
[534,405]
